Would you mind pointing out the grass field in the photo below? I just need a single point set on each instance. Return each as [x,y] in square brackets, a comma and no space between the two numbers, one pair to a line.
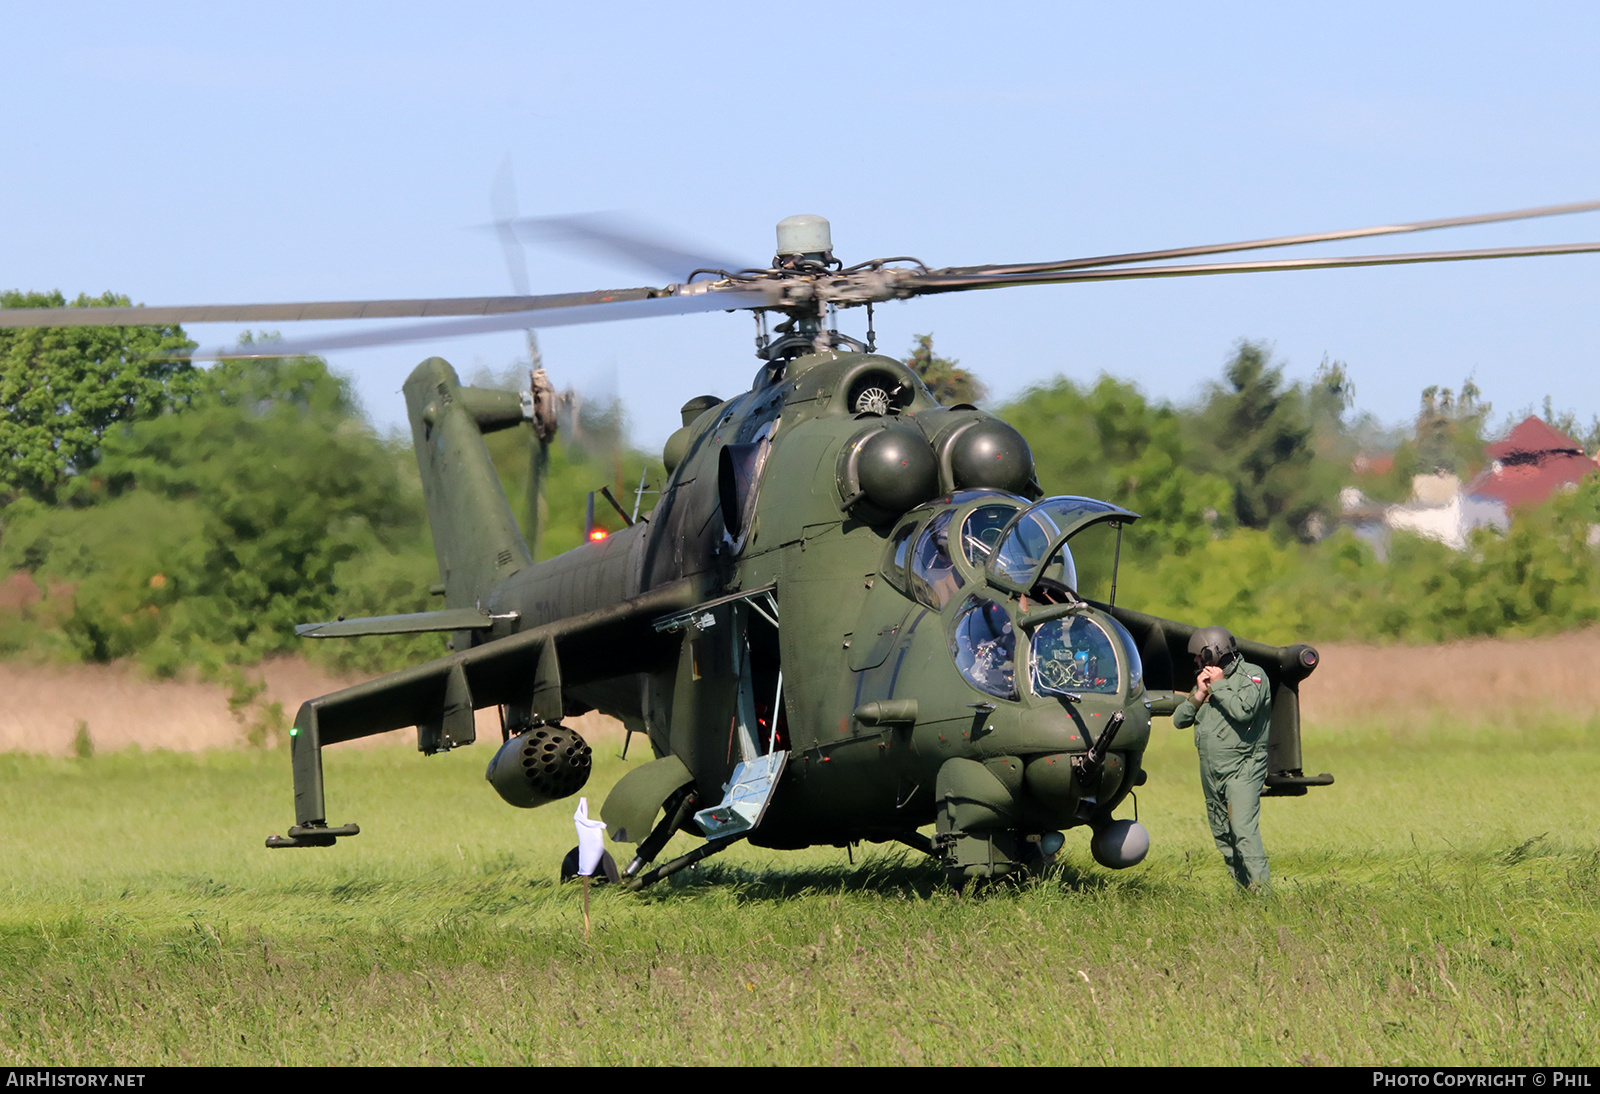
[1439,905]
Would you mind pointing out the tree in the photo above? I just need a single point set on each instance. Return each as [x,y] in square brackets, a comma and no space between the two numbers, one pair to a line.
[262,500]
[1588,437]
[209,531]
[61,388]
[1258,433]
[1109,442]
[949,384]
[1450,430]
[1332,394]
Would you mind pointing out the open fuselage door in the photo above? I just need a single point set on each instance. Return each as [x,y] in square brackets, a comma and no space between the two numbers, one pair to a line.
[727,707]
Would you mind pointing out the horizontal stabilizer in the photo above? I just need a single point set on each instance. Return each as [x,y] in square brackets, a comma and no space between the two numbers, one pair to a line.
[451,619]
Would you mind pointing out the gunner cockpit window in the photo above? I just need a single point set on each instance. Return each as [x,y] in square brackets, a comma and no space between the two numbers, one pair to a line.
[1077,654]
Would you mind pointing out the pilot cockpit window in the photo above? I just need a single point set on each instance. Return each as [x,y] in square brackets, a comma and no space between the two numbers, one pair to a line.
[1025,546]
[980,531]
[984,647]
[1033,549]
[1061,573]
[934,578]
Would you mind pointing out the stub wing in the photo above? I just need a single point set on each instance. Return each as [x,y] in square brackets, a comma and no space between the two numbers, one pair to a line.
[451,619]
[439,697]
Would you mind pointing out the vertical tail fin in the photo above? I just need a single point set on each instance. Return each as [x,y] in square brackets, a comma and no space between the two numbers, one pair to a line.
[475,535]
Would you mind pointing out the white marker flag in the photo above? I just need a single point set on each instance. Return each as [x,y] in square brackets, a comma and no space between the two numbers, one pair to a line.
[591,844]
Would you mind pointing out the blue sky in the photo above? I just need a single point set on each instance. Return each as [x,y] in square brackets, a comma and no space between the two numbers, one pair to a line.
[187,153]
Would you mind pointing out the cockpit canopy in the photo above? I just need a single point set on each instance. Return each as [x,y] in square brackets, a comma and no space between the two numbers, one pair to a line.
[1025,547]
[1077,654]
[990,537]
[943,546]
[971,539]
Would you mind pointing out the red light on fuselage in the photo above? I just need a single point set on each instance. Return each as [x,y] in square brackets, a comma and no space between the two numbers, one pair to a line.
[597,535]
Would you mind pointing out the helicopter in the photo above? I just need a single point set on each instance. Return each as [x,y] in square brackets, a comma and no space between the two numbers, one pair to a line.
[852,613]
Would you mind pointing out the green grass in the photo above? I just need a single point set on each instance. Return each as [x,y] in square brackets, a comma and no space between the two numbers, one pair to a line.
[1439,905]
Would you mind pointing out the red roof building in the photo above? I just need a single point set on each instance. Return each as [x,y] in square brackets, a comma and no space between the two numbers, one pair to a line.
[1533,462]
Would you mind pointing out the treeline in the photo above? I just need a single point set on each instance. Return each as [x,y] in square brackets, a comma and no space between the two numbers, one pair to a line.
[1239,495]
[191,517]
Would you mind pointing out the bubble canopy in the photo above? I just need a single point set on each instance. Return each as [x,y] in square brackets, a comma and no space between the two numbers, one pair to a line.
[1034,535]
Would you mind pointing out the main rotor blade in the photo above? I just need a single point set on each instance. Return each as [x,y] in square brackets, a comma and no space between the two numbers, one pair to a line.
[574,315]
[1277,241]
[939,281]
[141,316]
[611,237]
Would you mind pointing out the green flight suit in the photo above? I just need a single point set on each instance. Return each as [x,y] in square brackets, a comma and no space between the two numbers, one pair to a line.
[1230,733]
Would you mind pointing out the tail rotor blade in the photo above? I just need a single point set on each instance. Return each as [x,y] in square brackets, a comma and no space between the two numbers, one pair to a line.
[503,206]
[538,464]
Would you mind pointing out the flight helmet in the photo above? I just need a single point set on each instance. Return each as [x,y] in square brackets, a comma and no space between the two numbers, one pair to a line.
[1214,646]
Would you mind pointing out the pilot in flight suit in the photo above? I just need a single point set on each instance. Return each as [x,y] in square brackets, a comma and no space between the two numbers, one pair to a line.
[1230,709]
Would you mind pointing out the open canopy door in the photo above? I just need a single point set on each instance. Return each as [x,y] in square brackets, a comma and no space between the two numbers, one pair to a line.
[1032,538]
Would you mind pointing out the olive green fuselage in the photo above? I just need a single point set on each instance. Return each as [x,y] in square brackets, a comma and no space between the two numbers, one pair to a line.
[759,496]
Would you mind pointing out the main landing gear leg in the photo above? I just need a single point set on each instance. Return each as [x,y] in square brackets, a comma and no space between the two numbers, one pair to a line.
[679,808]
[667,869]
[917,842]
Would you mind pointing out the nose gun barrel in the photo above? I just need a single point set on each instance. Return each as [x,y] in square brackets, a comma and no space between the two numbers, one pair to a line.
[1088,766]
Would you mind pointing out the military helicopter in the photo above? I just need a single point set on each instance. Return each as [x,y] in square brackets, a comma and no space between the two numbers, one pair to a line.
[853,612]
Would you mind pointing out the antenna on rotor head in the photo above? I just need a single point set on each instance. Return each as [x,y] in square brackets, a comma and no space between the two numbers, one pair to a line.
[805,246]
[805,237]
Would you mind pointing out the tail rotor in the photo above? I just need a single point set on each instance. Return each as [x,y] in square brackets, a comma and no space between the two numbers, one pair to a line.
[540,400]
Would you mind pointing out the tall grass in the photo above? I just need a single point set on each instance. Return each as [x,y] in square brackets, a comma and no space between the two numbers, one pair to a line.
[1439,905]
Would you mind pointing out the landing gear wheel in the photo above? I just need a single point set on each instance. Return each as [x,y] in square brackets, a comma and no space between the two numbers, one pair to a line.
[1034,861]
[606,872]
